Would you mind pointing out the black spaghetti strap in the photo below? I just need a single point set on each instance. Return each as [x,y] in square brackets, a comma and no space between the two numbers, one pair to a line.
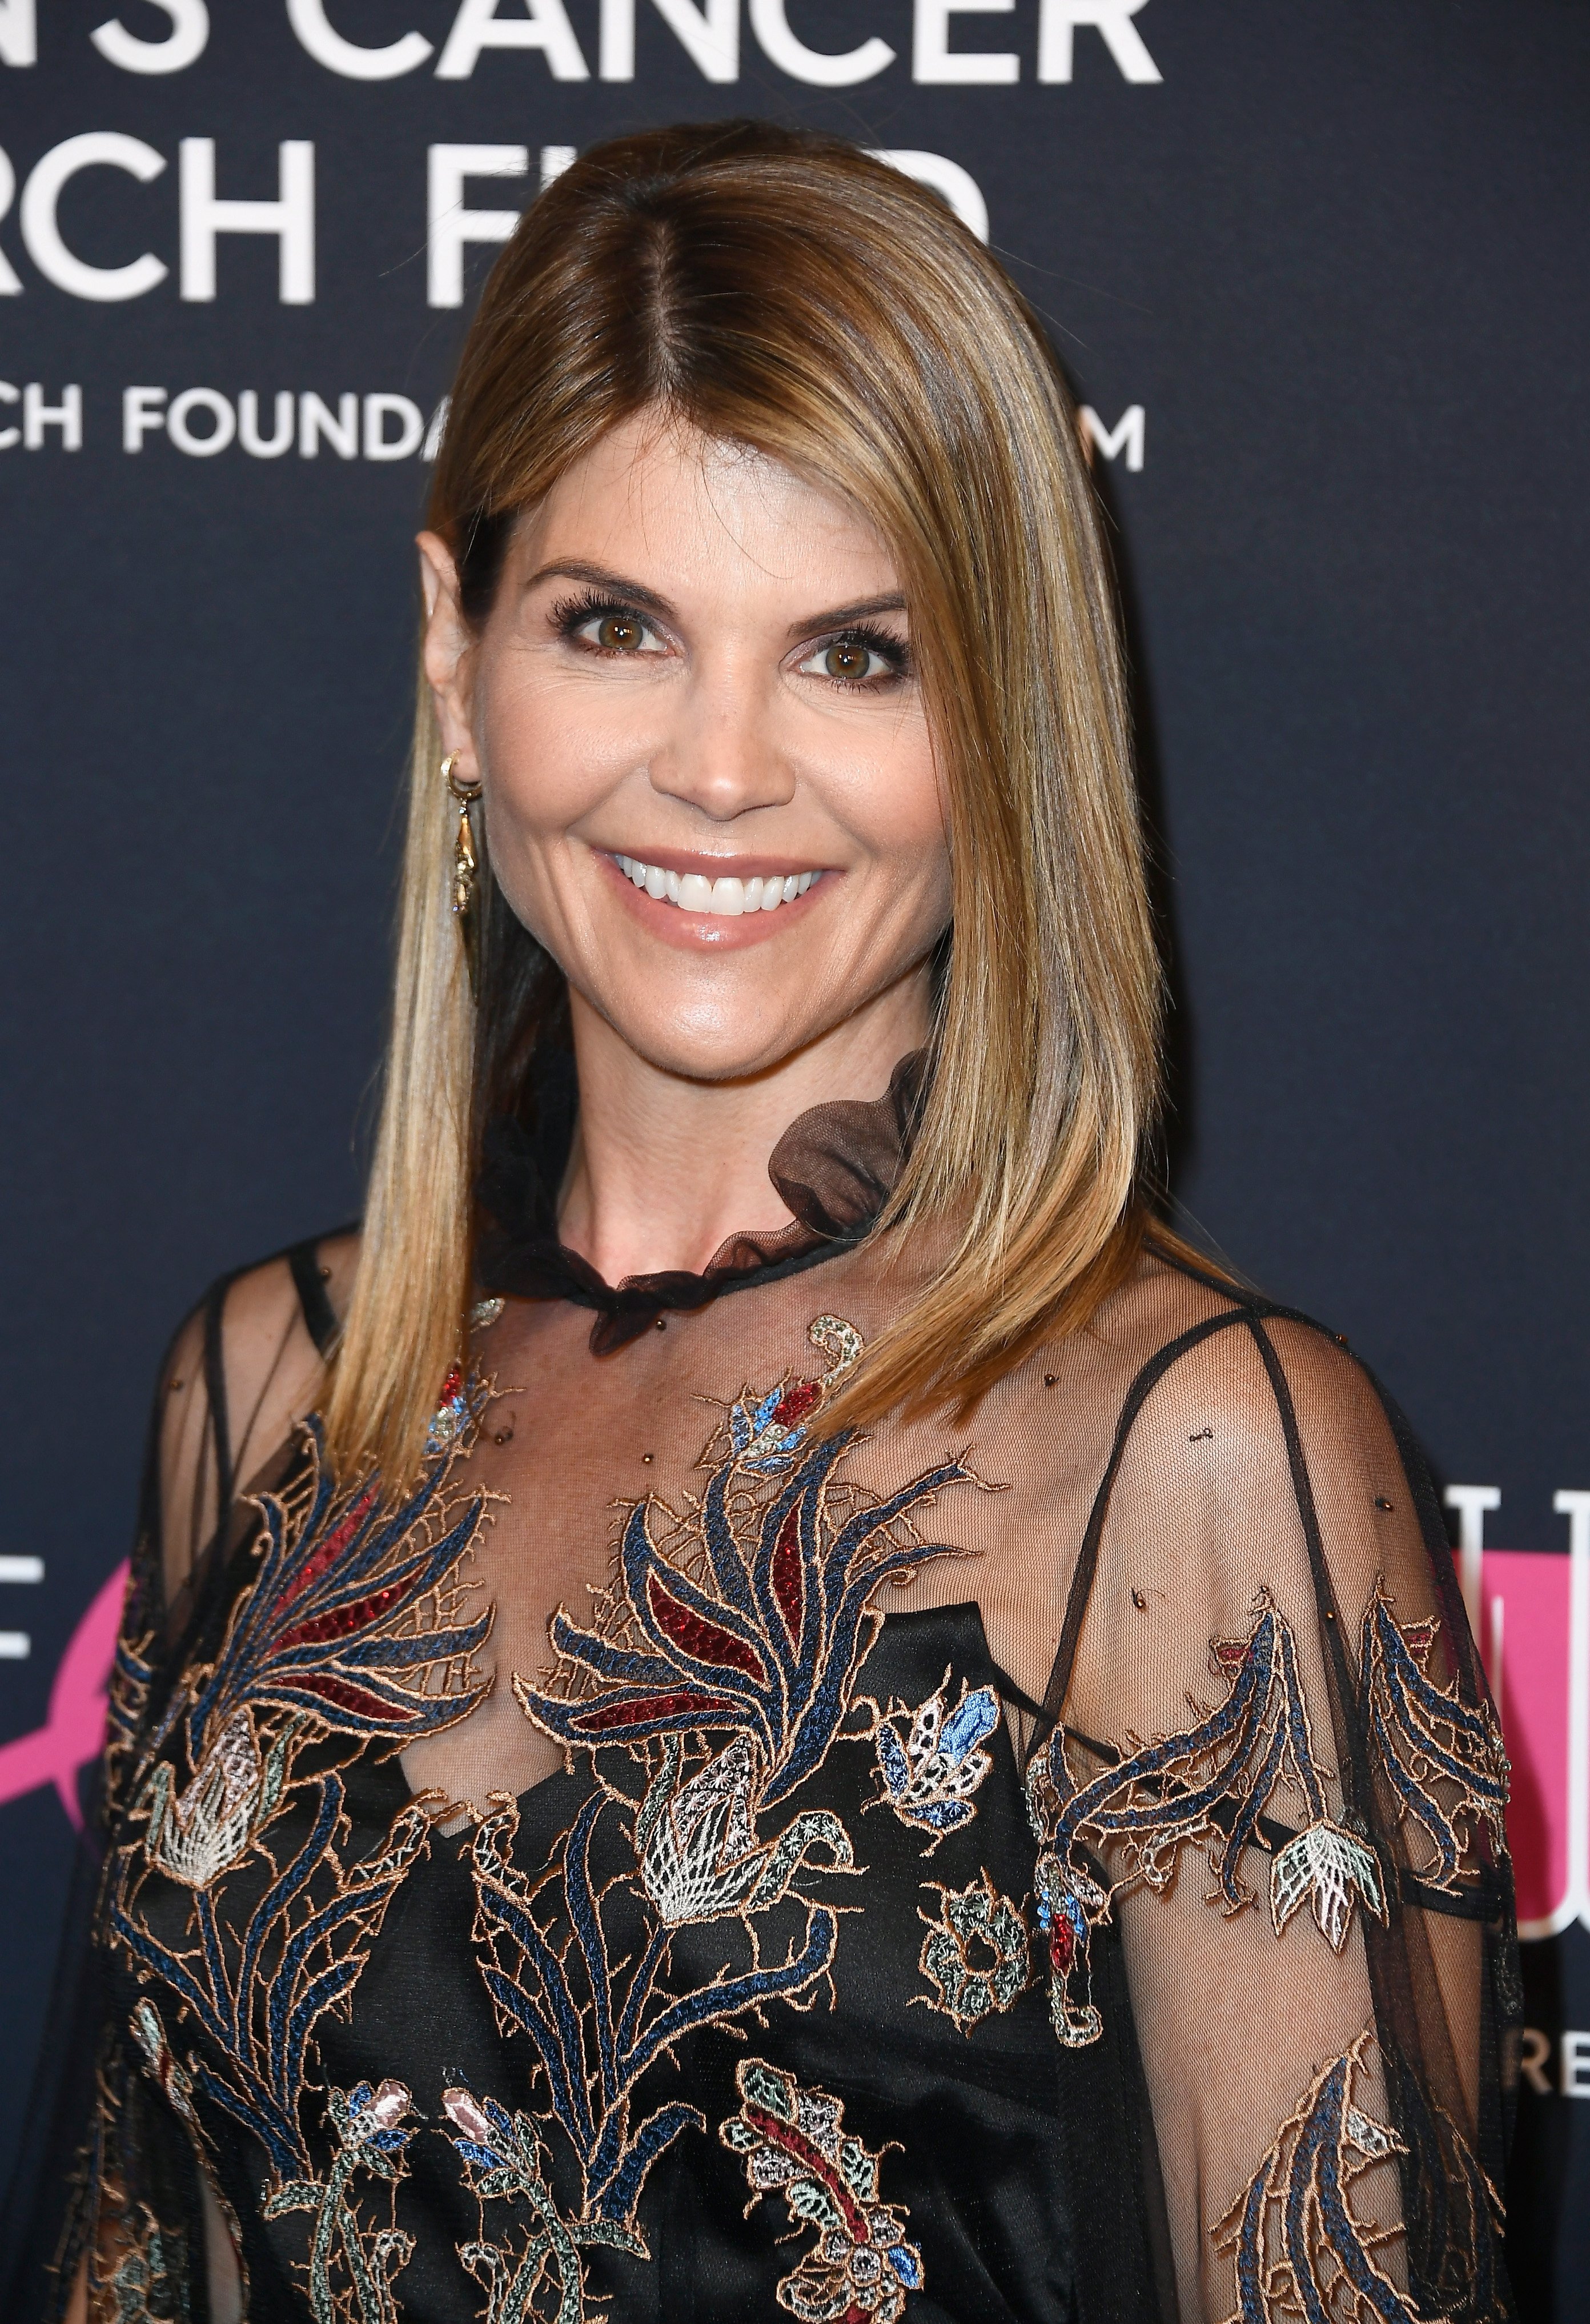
[215,1370]
[1356,1792]
[1142,1387]
[309,1283]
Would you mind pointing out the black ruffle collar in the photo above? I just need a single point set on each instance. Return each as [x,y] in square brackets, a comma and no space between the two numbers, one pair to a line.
[834,1168]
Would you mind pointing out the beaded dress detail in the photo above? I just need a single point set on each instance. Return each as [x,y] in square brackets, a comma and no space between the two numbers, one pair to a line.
[676,1863]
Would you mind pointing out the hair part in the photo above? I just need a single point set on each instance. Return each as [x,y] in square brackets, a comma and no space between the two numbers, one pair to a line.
[786,292]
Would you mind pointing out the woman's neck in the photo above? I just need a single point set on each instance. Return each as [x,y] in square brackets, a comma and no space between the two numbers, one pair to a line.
[663,1170]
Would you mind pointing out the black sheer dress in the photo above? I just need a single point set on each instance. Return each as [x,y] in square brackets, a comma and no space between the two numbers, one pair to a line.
[1049,1868]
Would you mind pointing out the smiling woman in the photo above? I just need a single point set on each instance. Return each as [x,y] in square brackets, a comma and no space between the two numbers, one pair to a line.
[736,438]
[782,1637]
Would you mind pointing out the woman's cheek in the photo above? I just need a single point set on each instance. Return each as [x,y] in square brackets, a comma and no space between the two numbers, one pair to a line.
[543,771]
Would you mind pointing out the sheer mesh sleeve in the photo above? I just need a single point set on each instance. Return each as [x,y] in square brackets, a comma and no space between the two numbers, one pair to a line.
[1278,1771]
[99,2165]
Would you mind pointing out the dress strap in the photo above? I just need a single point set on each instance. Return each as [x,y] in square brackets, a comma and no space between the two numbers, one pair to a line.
[215,1366]
[308,1280]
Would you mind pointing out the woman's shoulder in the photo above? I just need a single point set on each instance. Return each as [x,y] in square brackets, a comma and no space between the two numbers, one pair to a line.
[245,1367]
[1184,1338]
[263,1332]
[1249,1458]
[304,1287]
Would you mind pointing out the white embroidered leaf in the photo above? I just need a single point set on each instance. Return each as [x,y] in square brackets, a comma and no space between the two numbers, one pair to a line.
[1325,1864]
[1371,2137]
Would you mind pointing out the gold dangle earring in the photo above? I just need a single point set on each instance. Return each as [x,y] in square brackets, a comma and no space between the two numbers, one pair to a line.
[465,869]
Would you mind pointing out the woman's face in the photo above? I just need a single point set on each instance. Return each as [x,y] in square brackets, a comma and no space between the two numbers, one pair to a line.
[709,788]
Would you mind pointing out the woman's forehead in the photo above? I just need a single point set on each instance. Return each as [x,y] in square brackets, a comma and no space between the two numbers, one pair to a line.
[656,485]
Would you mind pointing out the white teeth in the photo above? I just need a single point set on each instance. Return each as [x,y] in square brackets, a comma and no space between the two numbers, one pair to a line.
[727,896]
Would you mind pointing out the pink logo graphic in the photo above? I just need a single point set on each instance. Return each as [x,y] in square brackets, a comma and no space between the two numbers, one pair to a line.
[1536,1625]
[73,1734]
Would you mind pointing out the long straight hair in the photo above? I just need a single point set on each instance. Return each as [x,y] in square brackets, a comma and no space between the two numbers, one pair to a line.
[786,292]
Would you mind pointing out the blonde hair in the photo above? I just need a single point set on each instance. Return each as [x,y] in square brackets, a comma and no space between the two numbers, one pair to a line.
[786,292]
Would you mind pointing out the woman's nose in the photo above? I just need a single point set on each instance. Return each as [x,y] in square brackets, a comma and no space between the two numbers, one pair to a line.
[721,751]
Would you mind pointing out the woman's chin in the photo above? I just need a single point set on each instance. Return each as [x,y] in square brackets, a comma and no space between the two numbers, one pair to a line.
[691,1045]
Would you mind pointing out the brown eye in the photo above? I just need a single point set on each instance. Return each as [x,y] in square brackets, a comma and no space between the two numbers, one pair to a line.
[847,660]
[620,633]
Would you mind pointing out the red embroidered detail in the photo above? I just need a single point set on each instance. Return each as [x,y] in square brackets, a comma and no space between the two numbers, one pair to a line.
[343,1619]
[1419,1637]
[347,1698]
[799,1398]
[789,1582]
[785,2136]
[336,1542]
[704,1640]
[624,1713]
[1062,1947]
[450,1385]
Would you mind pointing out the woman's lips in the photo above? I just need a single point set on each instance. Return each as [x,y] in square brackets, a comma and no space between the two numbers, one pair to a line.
[725,911]
[727,896]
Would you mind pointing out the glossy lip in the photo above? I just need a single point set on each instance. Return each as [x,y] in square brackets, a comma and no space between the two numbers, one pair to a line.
[713,931]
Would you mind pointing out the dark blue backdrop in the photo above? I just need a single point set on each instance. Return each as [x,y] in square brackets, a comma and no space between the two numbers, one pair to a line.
[1333,257]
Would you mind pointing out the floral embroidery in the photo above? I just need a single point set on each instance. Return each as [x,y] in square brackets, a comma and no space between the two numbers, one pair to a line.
[456,1405]
[176,2084]
[314,1924]
[1299,2250]
[596,2024]
[333,1634]
[765,1436]
[697,1848]
[1212,1783]
[792,2141]
[1071,1903]
[976,1955]
[1445,1760]
[746,1622]
[763,1638]
[349,1627]
[505,2161]
[351,2268]
[929,1776]
[126,1701]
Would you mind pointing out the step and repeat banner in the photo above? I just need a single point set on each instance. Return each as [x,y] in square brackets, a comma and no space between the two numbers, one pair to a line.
[1317,277]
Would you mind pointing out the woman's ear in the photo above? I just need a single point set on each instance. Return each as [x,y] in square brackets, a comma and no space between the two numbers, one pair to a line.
[448,640]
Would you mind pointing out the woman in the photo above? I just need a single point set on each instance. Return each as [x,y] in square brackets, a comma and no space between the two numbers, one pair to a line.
[799,1710]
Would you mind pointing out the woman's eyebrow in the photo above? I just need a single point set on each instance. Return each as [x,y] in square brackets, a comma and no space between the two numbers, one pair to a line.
[632,593]
[892,602]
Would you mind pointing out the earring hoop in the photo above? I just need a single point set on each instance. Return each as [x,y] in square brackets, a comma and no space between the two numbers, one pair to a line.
[465,869]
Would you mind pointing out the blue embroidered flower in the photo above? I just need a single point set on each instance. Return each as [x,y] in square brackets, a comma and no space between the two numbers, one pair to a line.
[764,1436]
[929,1778]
